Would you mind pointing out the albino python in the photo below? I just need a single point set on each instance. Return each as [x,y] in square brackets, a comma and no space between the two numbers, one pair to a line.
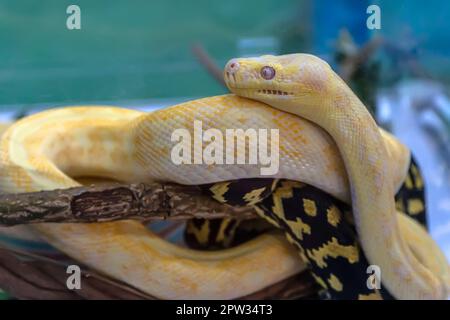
[355,163]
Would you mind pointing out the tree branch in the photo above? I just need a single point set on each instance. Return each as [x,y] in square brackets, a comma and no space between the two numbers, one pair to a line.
[210,65]
[85,204]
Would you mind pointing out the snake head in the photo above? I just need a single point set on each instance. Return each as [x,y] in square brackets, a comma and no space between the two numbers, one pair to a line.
[279,79]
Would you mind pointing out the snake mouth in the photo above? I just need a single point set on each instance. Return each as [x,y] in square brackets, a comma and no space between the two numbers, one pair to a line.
[274,92]
[261,92]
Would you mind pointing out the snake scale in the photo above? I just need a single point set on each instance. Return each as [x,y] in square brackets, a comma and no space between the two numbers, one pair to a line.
[328,141]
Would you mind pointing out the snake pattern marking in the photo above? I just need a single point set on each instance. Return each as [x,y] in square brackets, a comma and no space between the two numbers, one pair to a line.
[51,149]
[325,217]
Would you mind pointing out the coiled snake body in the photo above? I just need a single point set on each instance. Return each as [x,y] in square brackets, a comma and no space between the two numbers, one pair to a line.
[363,168]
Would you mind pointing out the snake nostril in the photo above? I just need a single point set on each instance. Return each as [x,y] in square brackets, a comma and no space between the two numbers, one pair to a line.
[233,66]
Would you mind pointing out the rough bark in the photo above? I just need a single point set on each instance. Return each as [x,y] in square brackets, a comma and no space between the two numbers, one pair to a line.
[114,202]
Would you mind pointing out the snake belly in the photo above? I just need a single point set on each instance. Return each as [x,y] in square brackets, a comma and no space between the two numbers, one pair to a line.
[51,149]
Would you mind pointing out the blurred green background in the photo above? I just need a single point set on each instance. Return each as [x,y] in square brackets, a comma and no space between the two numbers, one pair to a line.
[129,50]
[139,52]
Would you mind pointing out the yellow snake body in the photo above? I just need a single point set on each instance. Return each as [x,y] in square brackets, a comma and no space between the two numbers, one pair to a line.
[51,149]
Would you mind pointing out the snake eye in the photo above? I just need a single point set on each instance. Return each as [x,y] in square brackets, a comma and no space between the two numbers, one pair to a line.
[267,72]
